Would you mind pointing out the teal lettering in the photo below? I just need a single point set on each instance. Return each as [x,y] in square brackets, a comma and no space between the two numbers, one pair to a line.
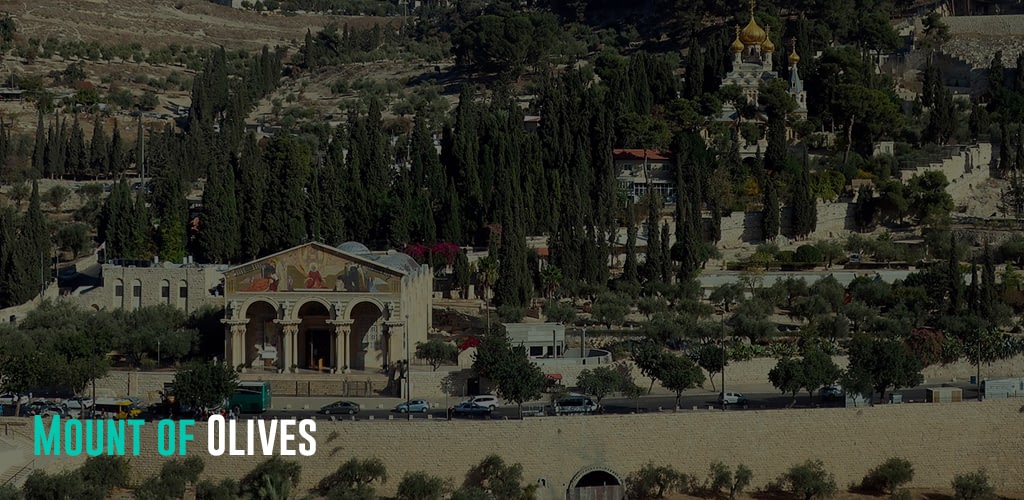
[94,437]
[115,437]
[184,436]
[165,437]
[73,437]
[135,424]
[46,443]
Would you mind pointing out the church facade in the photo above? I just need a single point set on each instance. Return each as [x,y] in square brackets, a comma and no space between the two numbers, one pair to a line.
[318,308]
[752,52]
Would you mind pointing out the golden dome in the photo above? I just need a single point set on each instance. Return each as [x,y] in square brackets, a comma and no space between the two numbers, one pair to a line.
[768,47]
[737,45]
[793,57]
[752,34]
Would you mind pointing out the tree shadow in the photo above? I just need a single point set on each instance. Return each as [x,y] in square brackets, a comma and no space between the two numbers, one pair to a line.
[937,496]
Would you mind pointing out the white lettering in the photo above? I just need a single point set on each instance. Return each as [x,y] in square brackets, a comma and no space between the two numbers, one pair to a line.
[267,438]
[306,429]
[287,437]
[215,436]
[233,438]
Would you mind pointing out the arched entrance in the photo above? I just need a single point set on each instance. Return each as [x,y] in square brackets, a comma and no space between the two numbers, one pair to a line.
[315,346]
[262,343]
[595,484]
[366,342]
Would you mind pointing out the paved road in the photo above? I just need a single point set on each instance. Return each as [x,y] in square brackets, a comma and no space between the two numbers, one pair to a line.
[380,409]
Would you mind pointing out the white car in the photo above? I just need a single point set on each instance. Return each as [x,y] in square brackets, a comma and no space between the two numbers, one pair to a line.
[732,398]
[488,401]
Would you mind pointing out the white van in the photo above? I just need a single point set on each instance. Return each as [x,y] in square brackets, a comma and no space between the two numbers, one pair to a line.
[488,401]
[575,404]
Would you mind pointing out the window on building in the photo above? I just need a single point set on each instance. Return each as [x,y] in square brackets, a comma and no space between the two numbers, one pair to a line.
[165,291]
[183,292]
[536,350]
[119,291]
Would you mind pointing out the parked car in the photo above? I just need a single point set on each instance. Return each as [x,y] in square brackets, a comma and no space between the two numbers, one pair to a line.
[12,399]
[832,392]
[468,409]
[416,405]
[489,401]
[732,398]
[340,407]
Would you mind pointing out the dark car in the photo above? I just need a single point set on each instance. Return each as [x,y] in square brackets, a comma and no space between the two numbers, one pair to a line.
[468,409]
[340,408]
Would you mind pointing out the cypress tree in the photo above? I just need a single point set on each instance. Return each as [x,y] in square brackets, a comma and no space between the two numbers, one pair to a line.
[770,211]
[333,180]
[219,233]
[39,149]
[171,214]
[666,262]
[630,271]
[451,224]
[34,251]
[99,150]
[285,207]
[76,159]
[53,163]
[116,163]
[142,229]
[8,251]
[954,278]
[804,207]
[252,176]
[988,296]
[653,264]
[514,286]
[114,227]
[464,161]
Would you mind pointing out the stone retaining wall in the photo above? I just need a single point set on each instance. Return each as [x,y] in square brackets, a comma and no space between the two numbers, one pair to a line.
[941,440]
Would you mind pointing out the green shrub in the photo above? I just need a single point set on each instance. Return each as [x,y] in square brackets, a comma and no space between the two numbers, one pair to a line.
[808,253]
[810,480]
[973,486]
[888,476]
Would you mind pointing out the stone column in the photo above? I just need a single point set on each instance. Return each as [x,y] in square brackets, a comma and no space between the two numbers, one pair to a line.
[342,329]
[289,335]
[234,341]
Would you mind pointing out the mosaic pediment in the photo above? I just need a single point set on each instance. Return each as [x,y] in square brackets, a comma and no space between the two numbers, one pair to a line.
[309,268]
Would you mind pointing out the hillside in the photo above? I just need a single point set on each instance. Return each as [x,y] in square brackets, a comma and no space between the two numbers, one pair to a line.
[158,23]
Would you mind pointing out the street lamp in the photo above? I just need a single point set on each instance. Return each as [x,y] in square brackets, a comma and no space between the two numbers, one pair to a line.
[408,366]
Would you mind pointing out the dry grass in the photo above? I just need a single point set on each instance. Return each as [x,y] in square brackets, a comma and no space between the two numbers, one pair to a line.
[158,23]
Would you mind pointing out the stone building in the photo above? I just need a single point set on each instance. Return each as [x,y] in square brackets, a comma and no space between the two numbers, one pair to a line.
[316,307]
[636,169]
[134,284]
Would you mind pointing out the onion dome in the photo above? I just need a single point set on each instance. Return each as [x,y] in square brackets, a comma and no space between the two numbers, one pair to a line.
[737,45]
[793,57]
[752,34]
[767,47]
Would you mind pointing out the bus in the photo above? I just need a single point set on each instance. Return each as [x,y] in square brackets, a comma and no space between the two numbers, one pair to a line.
[118,409]
[250,397]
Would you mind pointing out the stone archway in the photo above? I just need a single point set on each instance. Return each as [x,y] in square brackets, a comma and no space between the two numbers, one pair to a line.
[596,483]
[366,342]
[315,344]
[262,341]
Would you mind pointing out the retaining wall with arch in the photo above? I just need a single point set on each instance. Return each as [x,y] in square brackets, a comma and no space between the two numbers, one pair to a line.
[941,440]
